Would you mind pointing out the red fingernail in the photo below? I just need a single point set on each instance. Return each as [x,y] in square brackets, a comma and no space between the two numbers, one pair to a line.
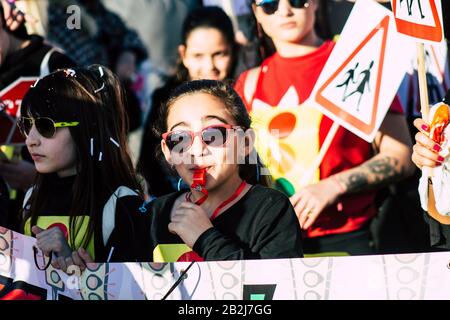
[441,159]
[424,127]
[437,147]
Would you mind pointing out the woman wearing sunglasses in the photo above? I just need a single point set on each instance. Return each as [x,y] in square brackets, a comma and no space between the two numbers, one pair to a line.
[230,214]
[336,206]
[84,204]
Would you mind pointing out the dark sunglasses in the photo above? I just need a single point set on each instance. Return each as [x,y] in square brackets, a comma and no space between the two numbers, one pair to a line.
[45,126]
[271,6]
[214,136]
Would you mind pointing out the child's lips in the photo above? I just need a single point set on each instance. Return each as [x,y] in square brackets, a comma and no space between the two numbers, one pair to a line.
[288,25]
[200,168]
[37,157]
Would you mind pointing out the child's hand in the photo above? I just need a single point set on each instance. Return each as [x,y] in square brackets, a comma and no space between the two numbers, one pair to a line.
[78,258]
[52,240]
[425,151]
[189,221]
[14,17]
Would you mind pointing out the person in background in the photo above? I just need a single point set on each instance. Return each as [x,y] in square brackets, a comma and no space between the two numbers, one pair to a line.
[428,153]
[336,207]
[103,38]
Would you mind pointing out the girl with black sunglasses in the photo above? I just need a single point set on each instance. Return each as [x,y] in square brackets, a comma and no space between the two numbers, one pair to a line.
[84,204]
[336,206]
[228,213]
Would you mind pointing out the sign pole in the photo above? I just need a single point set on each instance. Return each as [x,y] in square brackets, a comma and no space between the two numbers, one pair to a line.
[423,90]
[323,150]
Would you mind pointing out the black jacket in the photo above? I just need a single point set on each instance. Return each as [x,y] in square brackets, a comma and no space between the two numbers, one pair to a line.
[129,237]
[27,62]
[261,225]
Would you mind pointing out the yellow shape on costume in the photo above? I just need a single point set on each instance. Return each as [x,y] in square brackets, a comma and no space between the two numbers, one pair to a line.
[81,224]
[9,152]
[290,153]
[169,252]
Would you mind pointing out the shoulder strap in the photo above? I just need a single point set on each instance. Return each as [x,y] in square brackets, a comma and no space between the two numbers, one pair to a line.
[45,69]
[25,200]
[109,211]
[250,84]
[27,197]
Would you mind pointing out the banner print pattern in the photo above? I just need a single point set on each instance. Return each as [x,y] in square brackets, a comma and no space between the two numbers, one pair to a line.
[405,276]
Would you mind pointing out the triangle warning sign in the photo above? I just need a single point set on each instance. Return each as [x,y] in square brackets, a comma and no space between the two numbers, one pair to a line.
[418,18]
[352,91]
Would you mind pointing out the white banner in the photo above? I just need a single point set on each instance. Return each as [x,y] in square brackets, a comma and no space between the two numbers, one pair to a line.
[405,276]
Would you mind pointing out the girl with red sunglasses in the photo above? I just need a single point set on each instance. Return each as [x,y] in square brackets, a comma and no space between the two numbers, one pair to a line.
[336,206]
[228,213]
[208,50]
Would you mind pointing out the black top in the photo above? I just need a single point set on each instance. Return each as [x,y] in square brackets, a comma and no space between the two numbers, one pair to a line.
[261,225]
[26,62]
[129,236]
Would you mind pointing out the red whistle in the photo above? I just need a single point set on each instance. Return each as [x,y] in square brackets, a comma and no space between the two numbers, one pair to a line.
[198,183]
[199,179]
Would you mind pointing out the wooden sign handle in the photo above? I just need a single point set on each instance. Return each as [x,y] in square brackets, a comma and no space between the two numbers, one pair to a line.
[323,150]
[423,90]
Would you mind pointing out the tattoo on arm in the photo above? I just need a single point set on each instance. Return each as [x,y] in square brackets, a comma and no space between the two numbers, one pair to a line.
[376,172]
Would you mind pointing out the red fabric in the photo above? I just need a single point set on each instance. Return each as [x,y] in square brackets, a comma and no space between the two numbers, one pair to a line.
[189,257]
[346,151]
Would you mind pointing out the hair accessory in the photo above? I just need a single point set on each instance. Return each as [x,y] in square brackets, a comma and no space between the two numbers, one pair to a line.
[92,147]
[115,142]
[69,72]
[100,89]
[100,70]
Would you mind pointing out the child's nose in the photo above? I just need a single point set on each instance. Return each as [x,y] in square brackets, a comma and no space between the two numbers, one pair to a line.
[209,63]
[32,137]
[197,146]
[284,8]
